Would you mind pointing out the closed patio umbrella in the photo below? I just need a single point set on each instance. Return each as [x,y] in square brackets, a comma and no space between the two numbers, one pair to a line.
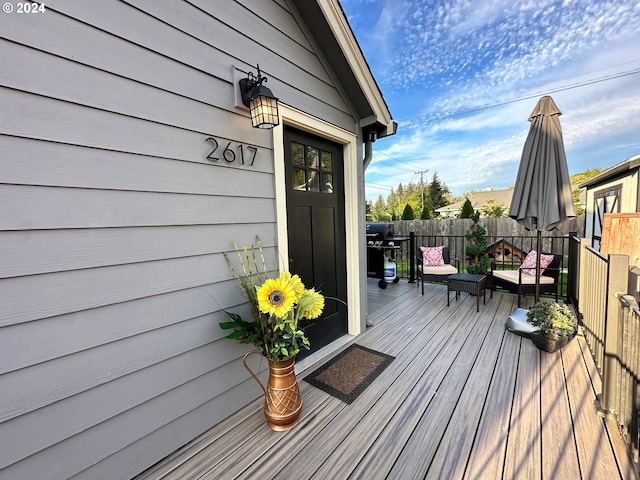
[542,196]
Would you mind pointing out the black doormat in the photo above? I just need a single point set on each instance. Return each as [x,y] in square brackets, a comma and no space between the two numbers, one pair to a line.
[348,374]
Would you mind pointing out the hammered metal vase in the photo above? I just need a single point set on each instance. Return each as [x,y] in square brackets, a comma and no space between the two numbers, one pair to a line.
[282,399]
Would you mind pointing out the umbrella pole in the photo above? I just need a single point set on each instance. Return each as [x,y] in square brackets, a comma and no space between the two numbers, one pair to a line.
[539,254]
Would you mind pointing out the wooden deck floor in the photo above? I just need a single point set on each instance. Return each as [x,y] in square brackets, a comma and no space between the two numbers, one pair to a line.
[463,399]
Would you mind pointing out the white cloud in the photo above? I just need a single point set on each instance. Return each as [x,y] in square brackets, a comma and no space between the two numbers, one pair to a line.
[433,59]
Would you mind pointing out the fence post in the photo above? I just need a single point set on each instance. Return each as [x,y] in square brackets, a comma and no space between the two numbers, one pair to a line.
[617,278]
[572,267]
[412,257]
[582,258]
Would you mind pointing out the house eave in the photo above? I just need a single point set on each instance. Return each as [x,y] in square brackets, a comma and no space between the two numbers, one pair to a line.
[347,60]
[629,164]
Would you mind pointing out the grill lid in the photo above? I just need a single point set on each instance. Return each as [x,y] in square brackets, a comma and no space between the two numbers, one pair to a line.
[379,230]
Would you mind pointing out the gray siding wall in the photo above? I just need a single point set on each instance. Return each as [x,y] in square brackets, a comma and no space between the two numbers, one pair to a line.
[113,222]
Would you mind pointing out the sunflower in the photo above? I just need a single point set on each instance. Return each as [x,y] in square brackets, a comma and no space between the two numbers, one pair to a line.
[296,283]
[311,304]
[276,296]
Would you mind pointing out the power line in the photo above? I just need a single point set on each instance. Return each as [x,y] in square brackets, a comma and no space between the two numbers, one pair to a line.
[526,97]
[404,165]
[409,167]
[379,187]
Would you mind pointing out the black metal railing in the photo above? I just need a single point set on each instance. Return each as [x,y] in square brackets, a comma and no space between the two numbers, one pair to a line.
[405,257]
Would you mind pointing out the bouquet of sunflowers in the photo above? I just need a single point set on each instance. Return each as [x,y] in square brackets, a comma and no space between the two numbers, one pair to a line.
[277,304]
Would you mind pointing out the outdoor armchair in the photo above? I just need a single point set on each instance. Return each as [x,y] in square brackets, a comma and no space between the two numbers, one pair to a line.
[520,283]
[436,273]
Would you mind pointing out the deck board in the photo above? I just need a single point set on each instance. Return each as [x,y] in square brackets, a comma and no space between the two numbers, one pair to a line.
[417,454]
[594,450]
[523,458]
[458,438]
[487,457]
[431,365]
[464,398]
[560,459]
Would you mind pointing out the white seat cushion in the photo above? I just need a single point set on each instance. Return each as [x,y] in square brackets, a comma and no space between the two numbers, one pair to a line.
[512,276]
[439,270]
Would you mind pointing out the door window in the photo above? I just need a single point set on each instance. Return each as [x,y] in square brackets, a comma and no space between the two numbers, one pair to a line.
[312,169]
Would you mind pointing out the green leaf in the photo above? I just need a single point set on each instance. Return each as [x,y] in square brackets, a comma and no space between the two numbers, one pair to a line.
[234,316]
[236,334]
[228,325]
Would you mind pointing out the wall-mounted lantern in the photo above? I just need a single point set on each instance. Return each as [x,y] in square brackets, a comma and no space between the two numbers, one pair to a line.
[263,105]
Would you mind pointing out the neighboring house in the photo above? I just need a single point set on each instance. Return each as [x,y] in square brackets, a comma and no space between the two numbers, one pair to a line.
[129,167]
[485,198]
[479,200]
[616,190]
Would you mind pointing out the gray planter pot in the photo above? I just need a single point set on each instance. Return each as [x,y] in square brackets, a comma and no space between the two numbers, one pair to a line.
[547,344]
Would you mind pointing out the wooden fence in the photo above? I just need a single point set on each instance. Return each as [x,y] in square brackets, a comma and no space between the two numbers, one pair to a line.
[495,227]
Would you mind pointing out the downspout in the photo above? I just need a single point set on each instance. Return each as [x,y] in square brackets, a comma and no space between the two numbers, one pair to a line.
[368,155]
[371,136]
[368,148]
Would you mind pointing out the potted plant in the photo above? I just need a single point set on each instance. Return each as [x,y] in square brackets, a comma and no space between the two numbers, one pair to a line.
[277,305]
[556,325]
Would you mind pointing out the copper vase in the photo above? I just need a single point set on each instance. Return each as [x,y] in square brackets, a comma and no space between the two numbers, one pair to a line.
[282,400]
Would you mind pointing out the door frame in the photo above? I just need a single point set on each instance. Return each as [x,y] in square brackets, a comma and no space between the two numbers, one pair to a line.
[291,117]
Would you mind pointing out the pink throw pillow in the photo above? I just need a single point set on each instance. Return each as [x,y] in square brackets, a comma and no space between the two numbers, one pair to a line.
[432,256]
[529,264]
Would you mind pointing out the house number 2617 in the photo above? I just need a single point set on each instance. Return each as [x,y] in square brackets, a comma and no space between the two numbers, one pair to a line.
[228,153]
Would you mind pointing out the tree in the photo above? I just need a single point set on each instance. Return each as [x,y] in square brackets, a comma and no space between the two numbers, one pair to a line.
[467,209]
[379,211]
[407,213]
[425,214]
[393,203]
[493,209]
[413,197]
[577,178]
[436,195]
[437,192]
[476,251]
[580,210]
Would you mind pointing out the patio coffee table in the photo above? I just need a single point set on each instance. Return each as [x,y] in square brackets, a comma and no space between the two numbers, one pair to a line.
[470,283]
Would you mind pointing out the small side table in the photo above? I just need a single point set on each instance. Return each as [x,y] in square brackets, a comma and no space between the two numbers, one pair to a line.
[470,283]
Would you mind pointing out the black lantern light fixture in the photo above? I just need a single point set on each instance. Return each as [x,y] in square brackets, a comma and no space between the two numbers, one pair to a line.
[263,106]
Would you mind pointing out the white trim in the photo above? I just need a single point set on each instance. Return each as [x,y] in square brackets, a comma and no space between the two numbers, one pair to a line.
[303,121]
[342,32]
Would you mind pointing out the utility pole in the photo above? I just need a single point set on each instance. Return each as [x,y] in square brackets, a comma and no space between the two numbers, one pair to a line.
[422,187]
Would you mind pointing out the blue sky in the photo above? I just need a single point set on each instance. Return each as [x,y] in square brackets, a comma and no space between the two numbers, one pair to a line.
[462,76]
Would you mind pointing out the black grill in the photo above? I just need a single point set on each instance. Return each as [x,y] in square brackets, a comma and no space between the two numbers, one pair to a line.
[380,239]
